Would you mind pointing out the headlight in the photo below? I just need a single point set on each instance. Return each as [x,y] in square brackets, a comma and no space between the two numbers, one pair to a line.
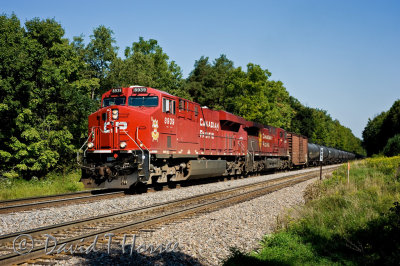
[115,114]
[90,145]
[122,144]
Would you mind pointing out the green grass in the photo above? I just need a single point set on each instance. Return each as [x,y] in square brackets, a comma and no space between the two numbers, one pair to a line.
[54,183]
[350,224]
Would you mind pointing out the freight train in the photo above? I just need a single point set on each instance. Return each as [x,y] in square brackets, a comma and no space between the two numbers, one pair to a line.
[144,135]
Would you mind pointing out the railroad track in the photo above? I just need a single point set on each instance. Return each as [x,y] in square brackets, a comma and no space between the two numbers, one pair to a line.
[31,203]
[137,219]
[55,200]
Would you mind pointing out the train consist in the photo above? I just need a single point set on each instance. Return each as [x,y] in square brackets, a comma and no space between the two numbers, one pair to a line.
[144,135]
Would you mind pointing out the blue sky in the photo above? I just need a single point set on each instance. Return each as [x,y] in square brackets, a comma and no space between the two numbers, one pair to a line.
[340,56]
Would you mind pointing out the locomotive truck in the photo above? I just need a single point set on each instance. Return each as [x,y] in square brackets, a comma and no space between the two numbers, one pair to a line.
[144,135]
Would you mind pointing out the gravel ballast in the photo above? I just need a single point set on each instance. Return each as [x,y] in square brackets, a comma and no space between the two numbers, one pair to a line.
[20,221]
[205,239]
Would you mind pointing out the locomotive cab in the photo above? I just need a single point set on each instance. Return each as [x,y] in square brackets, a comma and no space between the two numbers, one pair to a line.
[117,154]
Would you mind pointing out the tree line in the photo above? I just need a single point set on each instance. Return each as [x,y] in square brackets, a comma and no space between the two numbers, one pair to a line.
[50,84]
[382,133]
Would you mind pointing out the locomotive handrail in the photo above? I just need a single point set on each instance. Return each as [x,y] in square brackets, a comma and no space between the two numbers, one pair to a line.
[252,142]
[137,129]
[252,155]
[123,130]
[241,145]
[137,136]
[84,152]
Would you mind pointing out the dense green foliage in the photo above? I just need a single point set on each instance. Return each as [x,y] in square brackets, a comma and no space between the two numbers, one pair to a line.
[249,94]
[49,85]
[392,147]
[146,64]
[344,224]
[246,88]
[43,97]
[320,128]
[379,134]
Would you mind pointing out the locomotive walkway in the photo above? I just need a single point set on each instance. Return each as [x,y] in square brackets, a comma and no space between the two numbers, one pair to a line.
[137,219]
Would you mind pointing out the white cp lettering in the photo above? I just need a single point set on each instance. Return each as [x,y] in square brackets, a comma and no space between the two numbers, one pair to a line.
[121,125]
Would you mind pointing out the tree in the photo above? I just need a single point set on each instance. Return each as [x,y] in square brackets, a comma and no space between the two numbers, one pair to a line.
[392,147]
[100,54]
[253,96]
[207,82]
[391,123]
[249,94]
[320,128]
[371,133]
[146,64]
[15,68]
[381,128]
[46,99]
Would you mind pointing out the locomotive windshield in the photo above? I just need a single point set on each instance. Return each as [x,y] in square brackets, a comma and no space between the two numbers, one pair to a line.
[149,101]
[114,101]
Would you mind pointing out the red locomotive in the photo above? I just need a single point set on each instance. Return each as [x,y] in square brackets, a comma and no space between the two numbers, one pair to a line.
[141,134]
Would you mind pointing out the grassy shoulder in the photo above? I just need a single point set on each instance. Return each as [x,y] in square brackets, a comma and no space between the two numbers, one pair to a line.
[351,224]
[53,183]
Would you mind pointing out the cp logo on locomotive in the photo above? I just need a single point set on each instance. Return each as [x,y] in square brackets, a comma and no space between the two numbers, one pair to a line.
[120,124]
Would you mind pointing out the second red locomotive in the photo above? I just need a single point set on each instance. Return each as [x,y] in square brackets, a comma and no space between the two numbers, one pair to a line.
[141,134]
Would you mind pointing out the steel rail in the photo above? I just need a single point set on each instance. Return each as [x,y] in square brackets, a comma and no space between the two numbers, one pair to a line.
[29,203]
[11,201]
[52,200]
[274,184]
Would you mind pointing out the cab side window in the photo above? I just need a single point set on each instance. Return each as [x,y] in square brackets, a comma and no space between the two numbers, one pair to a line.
[181,105]
[165,106]
[173,107]
[168,106]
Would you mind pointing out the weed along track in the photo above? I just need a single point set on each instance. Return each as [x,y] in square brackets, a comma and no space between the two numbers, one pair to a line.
[79,236]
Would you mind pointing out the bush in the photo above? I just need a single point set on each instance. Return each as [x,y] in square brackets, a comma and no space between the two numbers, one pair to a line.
[392,147]
[379,241]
